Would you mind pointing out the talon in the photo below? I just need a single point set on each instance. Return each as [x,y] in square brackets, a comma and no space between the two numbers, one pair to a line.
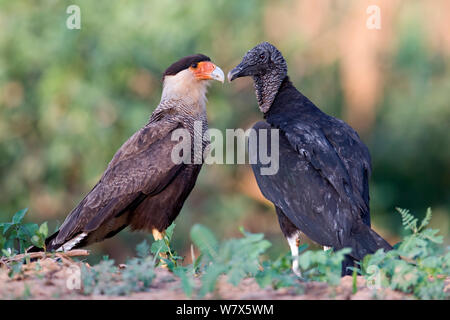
[158,235]
[296,271]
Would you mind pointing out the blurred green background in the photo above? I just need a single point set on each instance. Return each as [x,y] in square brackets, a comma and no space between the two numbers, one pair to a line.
[70,98]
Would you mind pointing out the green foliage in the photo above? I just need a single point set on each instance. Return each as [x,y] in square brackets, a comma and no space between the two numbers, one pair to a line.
[205,241]
[187,280]
[278,274]
[161,248]
[322,265]
[422,270]
[107,279]
[417,265]
[15,268]
[236,258]
[38,239]
[16,236]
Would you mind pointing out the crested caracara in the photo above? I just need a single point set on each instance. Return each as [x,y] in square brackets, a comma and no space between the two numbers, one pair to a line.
[322,185]
[142,187]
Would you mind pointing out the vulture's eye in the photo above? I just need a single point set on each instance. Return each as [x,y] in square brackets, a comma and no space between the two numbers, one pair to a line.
[194,65]
[262,56]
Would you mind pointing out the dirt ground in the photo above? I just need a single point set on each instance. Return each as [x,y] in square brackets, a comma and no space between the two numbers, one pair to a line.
[51,282]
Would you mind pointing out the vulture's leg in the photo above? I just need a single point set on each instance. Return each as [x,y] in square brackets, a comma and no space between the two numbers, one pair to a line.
[292,235]
[294,243]
[160,236]
[325,248]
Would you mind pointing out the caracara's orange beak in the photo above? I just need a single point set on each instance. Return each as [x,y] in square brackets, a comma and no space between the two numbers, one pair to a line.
[206,70]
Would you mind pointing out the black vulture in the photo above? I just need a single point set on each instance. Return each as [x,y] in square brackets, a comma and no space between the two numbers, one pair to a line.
[143,187]
[322,185]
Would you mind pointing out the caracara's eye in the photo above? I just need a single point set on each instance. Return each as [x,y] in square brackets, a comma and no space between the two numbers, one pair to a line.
[262,56]
[194,65]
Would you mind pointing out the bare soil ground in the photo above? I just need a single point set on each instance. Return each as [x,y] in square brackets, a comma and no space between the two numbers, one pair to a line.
[50,282]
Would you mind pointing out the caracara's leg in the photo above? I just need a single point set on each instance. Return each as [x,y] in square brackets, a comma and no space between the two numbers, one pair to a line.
[292,235]
[159,236]
[325,248]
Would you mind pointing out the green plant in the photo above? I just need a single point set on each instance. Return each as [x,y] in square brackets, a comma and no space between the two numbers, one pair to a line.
[236,258]
[16,236]
[323,265]
[416,265]
[278,274]
[107,279]
[161,248]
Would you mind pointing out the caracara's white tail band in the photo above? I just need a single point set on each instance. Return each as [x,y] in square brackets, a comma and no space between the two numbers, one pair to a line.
[72,243]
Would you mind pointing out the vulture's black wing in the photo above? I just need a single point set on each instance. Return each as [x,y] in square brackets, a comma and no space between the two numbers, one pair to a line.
[140,168]
[355,158]
[314,189]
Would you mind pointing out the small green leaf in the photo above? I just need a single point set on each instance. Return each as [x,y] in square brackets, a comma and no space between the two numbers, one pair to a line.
[209,279]
[159,246]
[37,241]
[205,240]
[143,249]
[18,216]
[169,232]
[187,284]
[30,228]
[43,230]
[6,226]
[7,252]
[354,281]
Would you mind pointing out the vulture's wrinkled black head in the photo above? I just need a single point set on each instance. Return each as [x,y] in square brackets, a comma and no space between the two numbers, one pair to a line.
[185,63]
[266,65]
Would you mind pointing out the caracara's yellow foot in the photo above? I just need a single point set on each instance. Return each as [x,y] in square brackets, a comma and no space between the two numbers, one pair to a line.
[160,236]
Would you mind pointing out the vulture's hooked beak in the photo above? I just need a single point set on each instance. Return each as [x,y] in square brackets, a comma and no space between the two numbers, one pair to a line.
[233,74]
[241,70]
[206,70]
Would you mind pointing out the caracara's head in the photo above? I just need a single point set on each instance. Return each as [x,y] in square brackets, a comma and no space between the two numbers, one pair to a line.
[188,78]
[266,65]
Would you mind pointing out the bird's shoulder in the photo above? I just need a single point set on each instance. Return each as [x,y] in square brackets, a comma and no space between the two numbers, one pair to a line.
[305,124]
[154,131]
[329,144]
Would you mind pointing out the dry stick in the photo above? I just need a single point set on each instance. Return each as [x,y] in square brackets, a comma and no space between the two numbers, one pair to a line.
[33,255]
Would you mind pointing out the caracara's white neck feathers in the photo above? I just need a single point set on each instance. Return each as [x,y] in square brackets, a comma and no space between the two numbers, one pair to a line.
[183,86]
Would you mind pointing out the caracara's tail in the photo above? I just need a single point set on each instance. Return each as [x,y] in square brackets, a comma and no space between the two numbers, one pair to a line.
[50,245]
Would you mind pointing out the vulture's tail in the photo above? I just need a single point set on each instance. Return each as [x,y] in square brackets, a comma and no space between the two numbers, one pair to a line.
[365,242]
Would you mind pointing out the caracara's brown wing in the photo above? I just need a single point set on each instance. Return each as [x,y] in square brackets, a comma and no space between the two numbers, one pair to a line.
[141,167]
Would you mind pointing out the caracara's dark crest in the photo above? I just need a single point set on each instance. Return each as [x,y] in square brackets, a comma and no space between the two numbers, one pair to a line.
[185,63]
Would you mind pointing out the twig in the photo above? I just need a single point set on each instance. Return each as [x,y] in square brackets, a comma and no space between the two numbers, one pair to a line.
[41,255]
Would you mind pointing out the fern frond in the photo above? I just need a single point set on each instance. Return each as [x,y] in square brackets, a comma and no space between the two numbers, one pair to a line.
[425,220]
[408,220]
